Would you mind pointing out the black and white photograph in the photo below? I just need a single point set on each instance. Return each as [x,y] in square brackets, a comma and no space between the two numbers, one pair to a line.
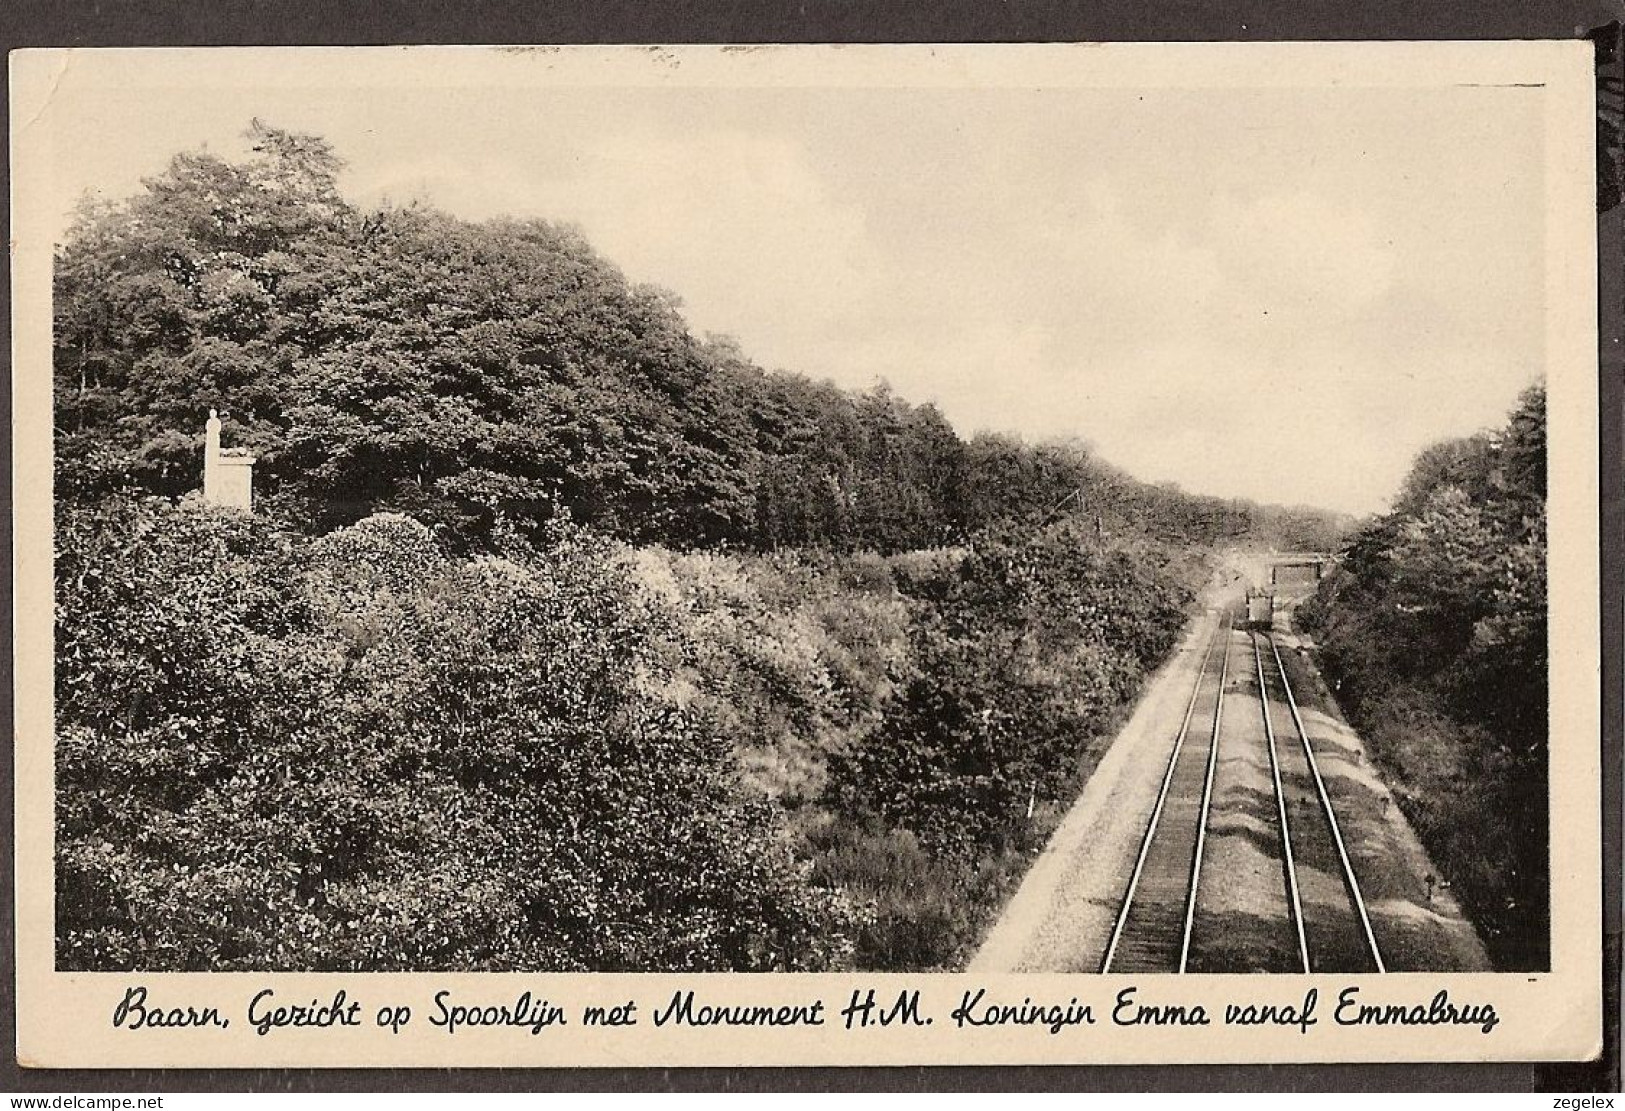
[641,511]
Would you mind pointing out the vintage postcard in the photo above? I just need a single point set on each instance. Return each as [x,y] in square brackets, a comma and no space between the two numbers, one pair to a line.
[806,555]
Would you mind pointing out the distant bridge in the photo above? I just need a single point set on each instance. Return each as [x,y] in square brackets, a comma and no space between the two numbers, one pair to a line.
[1314,562]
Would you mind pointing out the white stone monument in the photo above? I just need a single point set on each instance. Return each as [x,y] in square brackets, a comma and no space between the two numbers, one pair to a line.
[228,476]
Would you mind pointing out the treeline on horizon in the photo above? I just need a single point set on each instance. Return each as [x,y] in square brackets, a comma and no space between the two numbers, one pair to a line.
[559,639]
[406,360]
[1435,626]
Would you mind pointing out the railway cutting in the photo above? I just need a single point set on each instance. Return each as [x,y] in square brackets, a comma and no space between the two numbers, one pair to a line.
[1232,828]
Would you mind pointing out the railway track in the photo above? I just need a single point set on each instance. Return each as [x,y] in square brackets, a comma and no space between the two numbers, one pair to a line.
[1335,932]
[1153,928]
[1162,904]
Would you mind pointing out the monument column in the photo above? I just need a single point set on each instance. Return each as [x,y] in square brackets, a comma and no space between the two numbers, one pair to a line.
[228,476]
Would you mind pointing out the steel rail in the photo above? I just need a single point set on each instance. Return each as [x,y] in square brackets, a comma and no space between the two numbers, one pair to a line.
[1331,814]
[1162,798]
[1280,806]
[1207,798]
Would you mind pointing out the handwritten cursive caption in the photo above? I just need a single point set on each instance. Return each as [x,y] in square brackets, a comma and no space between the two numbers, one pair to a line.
[267,1013]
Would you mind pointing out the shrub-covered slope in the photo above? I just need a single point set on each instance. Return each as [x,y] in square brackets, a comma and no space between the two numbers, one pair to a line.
[355,752]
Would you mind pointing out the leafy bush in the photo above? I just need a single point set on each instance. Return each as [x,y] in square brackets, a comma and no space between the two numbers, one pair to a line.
[788,657]
[1026,650]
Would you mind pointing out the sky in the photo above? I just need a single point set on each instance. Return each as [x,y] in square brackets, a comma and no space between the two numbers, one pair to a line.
[1279,293]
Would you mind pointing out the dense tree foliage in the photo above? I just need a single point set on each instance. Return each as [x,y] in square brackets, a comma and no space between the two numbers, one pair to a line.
[1435,627]
[402,359]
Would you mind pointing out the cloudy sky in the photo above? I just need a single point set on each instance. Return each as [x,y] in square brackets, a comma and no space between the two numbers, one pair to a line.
[1278,293]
